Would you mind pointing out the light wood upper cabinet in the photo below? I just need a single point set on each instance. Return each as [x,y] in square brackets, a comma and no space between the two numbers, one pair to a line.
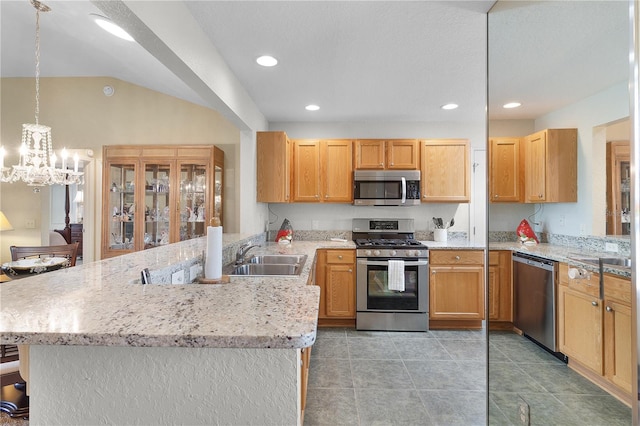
[274,167]
[306,171]
[322,171]
[445,170]
[377,154]
[551,166]
[505,170]
[456,285]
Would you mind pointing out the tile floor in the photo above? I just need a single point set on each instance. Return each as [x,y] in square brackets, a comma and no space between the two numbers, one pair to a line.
[439,378]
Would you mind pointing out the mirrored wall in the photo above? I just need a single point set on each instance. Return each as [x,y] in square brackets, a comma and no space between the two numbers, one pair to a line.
[575,57]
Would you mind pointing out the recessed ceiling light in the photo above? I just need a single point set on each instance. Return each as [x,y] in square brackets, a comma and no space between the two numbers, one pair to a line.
[449,106]
[267,61]
[312,107]
[108,25]
[511,105]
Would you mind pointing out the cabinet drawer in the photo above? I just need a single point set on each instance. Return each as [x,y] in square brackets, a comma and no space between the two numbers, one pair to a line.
[617,288]
[341,256]
[456,257]
[589,285]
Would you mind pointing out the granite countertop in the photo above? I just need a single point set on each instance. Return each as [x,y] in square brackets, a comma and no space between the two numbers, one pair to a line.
[99,303]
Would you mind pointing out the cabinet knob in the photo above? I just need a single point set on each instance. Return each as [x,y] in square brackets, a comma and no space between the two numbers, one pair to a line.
[317,196]
[350,270]
[326,196]
[391,164]
[340,256]
[539,195]
[457,257]
[609,309]
[433,272]
[382,164]
[495,196]
[594,303]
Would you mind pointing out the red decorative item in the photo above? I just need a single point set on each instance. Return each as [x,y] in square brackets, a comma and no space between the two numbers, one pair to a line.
[525,232]
[285,232]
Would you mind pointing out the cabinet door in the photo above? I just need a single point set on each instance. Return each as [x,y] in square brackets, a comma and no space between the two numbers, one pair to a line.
[494,292]
[580,328]
[337,171]
[445,171]
[618,188]
[306,171]
[617,331]
[535,167]
[500,286]
[194,205]
[370,154]
[402,154]
[456,292]
[340,291]
[157,208]
[119,195]
[505,178]
[273,175]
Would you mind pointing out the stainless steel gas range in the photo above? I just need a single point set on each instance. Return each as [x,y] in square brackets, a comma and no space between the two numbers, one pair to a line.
[392,276]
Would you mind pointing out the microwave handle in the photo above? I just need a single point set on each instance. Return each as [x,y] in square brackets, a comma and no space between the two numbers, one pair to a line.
[404,190]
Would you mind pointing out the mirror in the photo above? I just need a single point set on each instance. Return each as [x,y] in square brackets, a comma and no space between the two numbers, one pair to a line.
[567,63]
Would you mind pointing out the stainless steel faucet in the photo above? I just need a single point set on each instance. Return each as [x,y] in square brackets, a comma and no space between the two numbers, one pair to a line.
[242,252]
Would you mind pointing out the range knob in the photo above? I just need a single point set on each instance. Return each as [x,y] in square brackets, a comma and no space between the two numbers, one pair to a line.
[367,253]
[393,252]
[411,253]
[376,253]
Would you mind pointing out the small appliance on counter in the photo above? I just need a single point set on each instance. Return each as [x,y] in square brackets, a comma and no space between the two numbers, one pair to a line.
[392,276]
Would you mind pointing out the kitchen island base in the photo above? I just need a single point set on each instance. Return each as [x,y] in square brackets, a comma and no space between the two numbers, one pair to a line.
[163,385]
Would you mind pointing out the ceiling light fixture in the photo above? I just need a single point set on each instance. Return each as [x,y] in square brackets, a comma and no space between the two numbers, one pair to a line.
[511,105]
[449,106]
[37,166]
[109,26]
[312,107]
[267,61]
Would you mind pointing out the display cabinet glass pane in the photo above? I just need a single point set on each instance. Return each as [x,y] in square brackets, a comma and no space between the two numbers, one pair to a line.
[156,205]
[193,201]
[218,181]
[122,206]
[625,197]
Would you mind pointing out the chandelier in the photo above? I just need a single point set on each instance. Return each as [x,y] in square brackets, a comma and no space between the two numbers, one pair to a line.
[37,165]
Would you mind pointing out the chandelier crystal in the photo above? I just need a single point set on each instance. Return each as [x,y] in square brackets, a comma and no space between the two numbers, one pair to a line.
[37,165]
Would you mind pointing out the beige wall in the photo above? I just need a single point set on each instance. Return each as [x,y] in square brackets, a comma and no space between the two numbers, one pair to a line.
[82,117]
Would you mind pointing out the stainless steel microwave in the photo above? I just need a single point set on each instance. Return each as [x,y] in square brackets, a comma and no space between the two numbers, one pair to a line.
[386,187]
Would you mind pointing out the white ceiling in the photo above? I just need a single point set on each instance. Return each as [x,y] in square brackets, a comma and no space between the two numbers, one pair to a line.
[358,60]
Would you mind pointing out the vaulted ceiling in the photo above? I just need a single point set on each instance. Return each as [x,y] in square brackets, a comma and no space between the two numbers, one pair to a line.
[358,60]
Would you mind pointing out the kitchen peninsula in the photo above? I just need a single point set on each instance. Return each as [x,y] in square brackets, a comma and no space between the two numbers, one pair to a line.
[106,349]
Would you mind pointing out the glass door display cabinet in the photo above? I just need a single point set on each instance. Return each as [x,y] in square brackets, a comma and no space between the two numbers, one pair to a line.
[155,195]
[618,188]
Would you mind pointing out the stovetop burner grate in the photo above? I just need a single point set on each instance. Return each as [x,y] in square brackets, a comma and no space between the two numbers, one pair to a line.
[389,243]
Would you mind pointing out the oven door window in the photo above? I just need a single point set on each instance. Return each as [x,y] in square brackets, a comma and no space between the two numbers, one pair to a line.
[380,297]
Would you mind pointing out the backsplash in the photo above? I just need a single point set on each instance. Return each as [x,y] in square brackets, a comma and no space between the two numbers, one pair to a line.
[587,243]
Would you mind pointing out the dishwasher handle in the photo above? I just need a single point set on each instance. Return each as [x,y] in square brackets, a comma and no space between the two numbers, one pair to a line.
[545,264]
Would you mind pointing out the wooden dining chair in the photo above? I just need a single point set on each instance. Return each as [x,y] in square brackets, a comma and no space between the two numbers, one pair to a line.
[70,251]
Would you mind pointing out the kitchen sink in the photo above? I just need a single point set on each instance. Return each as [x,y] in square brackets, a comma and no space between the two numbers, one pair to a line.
[257,269]
[610,261]
[279,259]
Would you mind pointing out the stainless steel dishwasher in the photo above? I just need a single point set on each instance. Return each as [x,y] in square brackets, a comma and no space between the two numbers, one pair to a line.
[535,295]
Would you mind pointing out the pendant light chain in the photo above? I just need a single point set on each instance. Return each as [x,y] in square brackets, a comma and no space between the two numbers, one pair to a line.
[37,64]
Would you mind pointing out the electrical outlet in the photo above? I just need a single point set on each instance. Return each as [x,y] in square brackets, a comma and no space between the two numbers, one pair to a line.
[30,223]
[538,227]
[177,277]
[611,247]
[562,221]
[583,230]
[194,272]
[523,412]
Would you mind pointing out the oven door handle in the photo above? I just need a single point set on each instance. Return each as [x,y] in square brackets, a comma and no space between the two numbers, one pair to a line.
[404,190]
[385,263]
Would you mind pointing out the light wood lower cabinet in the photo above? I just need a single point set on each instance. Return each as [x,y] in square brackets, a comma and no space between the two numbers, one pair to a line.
[456,288]
[305,359]
[500,290]
[336,276]
[595,332]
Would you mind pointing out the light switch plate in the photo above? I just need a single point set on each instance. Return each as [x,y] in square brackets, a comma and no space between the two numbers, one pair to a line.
[177,277]
[611,247]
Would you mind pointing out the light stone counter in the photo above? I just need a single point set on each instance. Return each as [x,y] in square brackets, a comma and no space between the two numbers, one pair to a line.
[99,304]
[106,349]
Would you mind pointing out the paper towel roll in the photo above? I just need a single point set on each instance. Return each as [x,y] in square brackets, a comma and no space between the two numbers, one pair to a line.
[213,264]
